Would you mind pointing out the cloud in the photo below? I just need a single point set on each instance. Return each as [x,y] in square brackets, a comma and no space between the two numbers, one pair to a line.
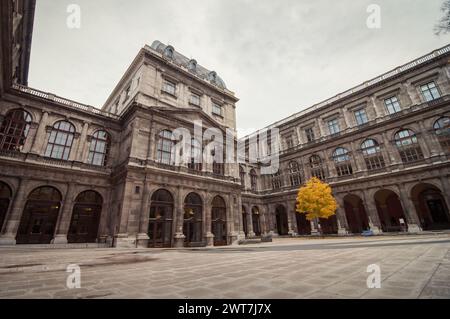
[279,57]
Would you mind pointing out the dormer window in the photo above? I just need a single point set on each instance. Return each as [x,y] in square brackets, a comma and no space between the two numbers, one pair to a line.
[192,66]
[168,52]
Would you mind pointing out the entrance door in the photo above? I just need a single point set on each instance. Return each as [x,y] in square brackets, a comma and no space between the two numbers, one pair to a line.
[85,218]
[437,211]
[39,217]
[161,219]
[219,221]
[39,223]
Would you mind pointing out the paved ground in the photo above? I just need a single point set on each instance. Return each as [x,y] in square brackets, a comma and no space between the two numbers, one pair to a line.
[411,267]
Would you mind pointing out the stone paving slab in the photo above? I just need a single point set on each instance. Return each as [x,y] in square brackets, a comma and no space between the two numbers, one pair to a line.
[411,267]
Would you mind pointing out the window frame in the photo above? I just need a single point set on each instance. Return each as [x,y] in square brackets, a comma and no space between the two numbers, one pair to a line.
[93,150]
[57,133]
[14,132]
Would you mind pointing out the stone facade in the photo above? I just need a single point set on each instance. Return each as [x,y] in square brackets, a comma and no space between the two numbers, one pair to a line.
[72,173]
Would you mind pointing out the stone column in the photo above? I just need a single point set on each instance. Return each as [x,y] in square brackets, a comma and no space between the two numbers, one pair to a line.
[12,220]
[431,140]
[413,93]
[250,230]
[372,214]
[79,155]
[40,136]
[29,141]
[446,189]
[209,236]
[378,113]
[179,219]
[392,151]
[65,216]
[347,119]
[410,210]
[341,218]
[292,225]
[142,237]
[122,239]
[322,131]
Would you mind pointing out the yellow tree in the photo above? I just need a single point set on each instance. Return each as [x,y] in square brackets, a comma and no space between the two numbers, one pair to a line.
[316,200]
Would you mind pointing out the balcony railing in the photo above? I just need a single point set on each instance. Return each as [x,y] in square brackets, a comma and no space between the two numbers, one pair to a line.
[63,101]
[426,58]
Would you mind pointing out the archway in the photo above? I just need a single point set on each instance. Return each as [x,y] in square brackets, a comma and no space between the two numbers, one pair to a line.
[38,222]
[303,225]
[256,221]
[244,221]
[356,214]
[282,220]
[390,211]
[219,221]
[161,219]
[5,199]
[430,206]
[329,225]
[193,220]
[85,218]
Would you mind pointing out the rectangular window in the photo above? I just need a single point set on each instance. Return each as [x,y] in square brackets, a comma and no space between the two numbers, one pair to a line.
[195,99]
[392,105]
[289,142]
[309,132]
[217,109]
[430,92]
[333,126]
[169,87]
[361,117]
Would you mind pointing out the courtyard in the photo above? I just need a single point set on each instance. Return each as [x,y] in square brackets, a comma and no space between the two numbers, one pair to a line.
[411,267]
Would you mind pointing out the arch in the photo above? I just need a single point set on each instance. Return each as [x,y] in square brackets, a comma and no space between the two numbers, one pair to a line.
[39,217]
[5,200]
[408,146]
[390,211]
[14,130]
[303,225]
[371,151]
[342,163]
[161,219]
[256,221]
[316,166]
[295,175]
[99,148]
[193,220]
[355,213]
[328,226]
[431,207]
[60,140]
[442,130]
[282,220]
[85,219]
[219,221]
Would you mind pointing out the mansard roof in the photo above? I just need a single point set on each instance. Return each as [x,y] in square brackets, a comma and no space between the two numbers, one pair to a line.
[170,53]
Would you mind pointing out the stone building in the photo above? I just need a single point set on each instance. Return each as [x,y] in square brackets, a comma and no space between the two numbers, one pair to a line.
[75,174]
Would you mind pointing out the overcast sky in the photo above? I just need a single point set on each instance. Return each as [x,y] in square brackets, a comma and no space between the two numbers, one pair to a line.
[278,56]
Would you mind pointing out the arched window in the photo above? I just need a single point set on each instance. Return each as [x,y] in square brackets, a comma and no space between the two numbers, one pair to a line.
[60,140]
[372,154]
[253,180]
[295,173]
[99,149]
[14,130]
[242,175]
[316,165]
[165,148]
[218,166]
[442,130]
[342,162]
[408,146]
[277,183]
[161,219]
[196,155]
